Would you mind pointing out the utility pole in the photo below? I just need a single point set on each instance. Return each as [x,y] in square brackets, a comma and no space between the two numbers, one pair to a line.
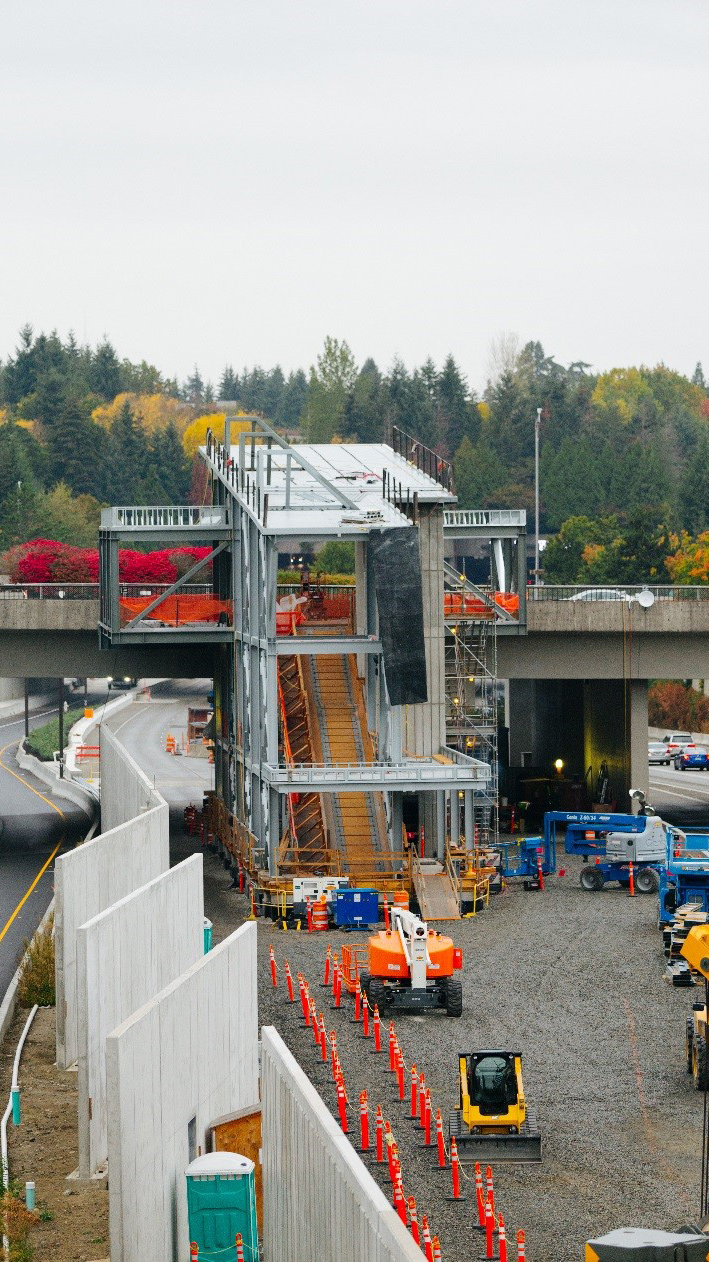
[61,728]
[27,708]
[537,425]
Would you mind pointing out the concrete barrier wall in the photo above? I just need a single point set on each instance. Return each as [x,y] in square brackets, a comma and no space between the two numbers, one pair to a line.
[125,956]
[86,881]
[126,791]
[320,1201]
[183,1060]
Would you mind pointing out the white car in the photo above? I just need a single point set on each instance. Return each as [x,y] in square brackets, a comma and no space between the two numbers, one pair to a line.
[658,754]
[600,593]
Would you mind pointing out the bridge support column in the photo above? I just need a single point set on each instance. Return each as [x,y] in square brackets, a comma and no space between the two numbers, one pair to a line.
[639,768]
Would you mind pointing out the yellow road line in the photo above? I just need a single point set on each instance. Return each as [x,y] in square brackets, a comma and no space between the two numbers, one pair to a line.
[33,886]
[27,786]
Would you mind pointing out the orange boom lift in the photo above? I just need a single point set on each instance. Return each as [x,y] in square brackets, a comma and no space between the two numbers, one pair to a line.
[412,967]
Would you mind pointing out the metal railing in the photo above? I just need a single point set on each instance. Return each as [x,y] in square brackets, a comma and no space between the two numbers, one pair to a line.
[90,591]
[425,460]
[453,517]
[600,592]
[165,517]
[460,768]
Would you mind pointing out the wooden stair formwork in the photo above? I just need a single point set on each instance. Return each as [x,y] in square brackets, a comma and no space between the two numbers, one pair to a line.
[309,846]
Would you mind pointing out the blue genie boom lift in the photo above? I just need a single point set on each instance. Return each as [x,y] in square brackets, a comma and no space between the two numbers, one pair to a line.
[614,842]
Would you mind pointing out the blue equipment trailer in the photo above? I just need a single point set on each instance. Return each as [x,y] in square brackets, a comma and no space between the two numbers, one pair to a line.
[685,878]
[614,841]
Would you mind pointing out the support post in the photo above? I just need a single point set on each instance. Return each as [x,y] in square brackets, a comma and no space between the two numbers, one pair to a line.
[469,821]
[441,824]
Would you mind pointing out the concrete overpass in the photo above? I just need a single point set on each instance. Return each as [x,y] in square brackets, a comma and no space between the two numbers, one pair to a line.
[54,636]
[578,672]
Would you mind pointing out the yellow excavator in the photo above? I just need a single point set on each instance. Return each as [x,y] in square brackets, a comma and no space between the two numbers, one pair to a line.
[493,1122]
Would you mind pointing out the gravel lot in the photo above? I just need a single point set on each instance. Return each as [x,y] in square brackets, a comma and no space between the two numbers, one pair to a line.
[575,982]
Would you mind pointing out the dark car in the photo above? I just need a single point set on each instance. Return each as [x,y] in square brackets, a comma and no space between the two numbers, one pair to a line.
[692,758]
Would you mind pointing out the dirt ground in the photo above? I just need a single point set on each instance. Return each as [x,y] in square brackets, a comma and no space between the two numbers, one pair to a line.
[73,1218]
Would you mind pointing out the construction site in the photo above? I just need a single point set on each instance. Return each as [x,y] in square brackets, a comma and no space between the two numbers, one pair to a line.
[474,1041]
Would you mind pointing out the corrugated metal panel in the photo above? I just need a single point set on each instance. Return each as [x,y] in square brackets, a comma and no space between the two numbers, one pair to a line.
[320,1201]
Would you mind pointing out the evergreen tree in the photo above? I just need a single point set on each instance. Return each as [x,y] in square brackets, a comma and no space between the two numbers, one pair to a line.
[126,457]
[330,383]
[194,387]
[170,464]
[364,410]
[77,449]
[229,384]
[105,371]
[698,377]
[455,420]
[695,489]
[479,474]
[295,396]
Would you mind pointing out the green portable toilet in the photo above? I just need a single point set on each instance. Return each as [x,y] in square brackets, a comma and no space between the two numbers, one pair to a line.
[221,1203]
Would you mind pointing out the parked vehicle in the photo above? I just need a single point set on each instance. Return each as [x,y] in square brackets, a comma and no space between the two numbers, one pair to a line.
[692,758]
[600,593]
[658,754]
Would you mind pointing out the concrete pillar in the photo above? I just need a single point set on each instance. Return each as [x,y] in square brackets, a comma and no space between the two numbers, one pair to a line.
[639,768]
[441,825]
[469,821]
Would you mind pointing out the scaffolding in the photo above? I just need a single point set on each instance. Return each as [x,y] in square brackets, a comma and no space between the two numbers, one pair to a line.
[471,710]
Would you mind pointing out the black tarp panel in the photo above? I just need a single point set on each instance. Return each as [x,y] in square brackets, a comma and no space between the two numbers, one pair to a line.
[397,577]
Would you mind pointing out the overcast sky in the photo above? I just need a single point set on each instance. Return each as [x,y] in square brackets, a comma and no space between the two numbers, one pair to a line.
[228,181]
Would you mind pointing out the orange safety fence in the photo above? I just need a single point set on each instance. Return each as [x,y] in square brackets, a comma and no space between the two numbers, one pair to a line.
[461,605]
[288,621]
[177,610]
[353,957]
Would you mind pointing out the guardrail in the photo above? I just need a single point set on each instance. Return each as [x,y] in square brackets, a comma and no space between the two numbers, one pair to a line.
[587,593]
[455,517]
[165,517]
[90,591]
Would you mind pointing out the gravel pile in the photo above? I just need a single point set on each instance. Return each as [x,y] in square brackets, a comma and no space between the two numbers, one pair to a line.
[574,981]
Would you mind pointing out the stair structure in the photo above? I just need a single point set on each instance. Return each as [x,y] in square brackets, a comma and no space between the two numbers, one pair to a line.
[337,706]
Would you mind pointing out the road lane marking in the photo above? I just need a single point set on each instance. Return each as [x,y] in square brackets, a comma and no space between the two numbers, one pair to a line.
[34,714]
[27,786]
[701,800]
[32,887]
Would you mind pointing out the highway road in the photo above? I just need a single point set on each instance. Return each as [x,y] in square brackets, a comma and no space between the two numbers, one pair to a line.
[33,829]
[143,728]
[681,797]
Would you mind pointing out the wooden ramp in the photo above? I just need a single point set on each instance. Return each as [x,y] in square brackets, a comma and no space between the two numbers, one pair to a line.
[436,895]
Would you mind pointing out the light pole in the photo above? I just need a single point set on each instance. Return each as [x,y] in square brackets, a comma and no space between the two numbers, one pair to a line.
[537,424]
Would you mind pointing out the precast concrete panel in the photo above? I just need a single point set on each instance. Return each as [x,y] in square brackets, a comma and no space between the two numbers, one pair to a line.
[125,956]
[89,879]
[126,791]
[320,1201]
[191,1053]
